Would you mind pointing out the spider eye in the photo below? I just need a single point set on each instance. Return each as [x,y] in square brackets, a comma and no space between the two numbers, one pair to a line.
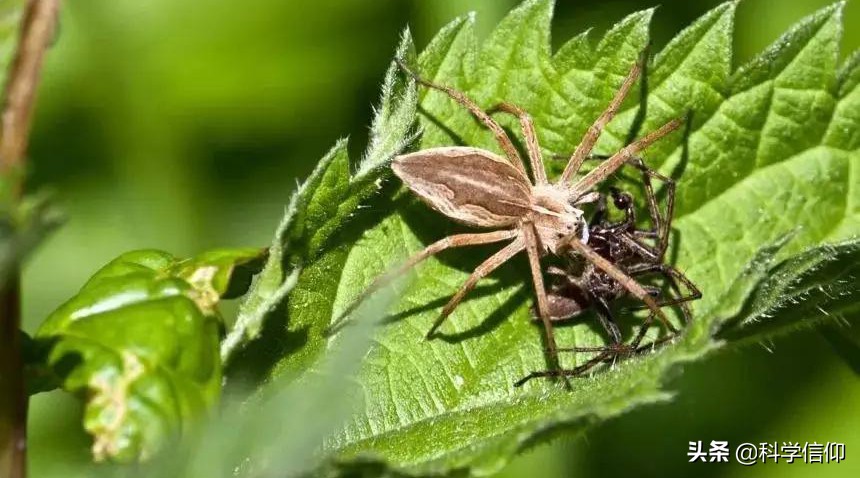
[623,200]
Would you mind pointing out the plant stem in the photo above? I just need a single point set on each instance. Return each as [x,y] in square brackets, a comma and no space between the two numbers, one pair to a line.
[13,403]
[36,34]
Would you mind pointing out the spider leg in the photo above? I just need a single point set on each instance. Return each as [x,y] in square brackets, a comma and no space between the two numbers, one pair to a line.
[604,315]
[630,284]
[591,197]
[530,135]
[638,348]
[600,173]
[607,321]
[653,291]
[648,234]
[662,223]
[654,344]
[617,347]
[616,350]
[459,240]
[590,137]
[479,273]
[501,136]
[556,271]
[643,329]
[565,373]
[531,243]
[644,251]
[674,276]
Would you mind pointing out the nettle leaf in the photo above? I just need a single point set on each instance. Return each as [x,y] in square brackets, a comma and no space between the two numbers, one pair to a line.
[140,342]
[769,175]
[818,285]
[249,440]
[331,195]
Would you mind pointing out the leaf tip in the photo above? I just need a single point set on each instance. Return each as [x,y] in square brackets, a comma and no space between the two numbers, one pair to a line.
[729,5]
[645,14]
[405,41]
[470,17]
[531,7]
[834,11]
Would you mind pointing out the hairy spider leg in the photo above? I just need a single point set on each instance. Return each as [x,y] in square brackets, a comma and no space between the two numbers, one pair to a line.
[674,276]
[625,154]
[540,292]
[501,136]
[682,300]
[459,240]
[479,273]
[627,282]
[574,372]
[530,134]
[593,133]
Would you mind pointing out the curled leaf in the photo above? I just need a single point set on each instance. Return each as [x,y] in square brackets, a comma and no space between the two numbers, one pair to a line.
[140,342]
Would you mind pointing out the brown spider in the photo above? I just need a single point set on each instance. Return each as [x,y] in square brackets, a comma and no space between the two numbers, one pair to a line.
[478,188]
[578,289]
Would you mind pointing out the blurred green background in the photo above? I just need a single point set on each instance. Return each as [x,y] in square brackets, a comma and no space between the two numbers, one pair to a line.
[185,125]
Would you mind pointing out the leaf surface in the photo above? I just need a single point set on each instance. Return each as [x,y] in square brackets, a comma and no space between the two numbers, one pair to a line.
[770,177]
[322,205]
[140,343]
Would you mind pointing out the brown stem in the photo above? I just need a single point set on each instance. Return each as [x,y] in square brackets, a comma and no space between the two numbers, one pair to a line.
[13,398]
[36,34]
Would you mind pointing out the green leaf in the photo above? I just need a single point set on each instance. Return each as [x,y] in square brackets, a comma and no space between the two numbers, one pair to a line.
[140,343]
[247,439]
[770,175]
[819,284]
[328,199]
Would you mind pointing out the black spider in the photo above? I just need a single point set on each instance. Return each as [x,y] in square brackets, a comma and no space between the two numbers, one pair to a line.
[581,286]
